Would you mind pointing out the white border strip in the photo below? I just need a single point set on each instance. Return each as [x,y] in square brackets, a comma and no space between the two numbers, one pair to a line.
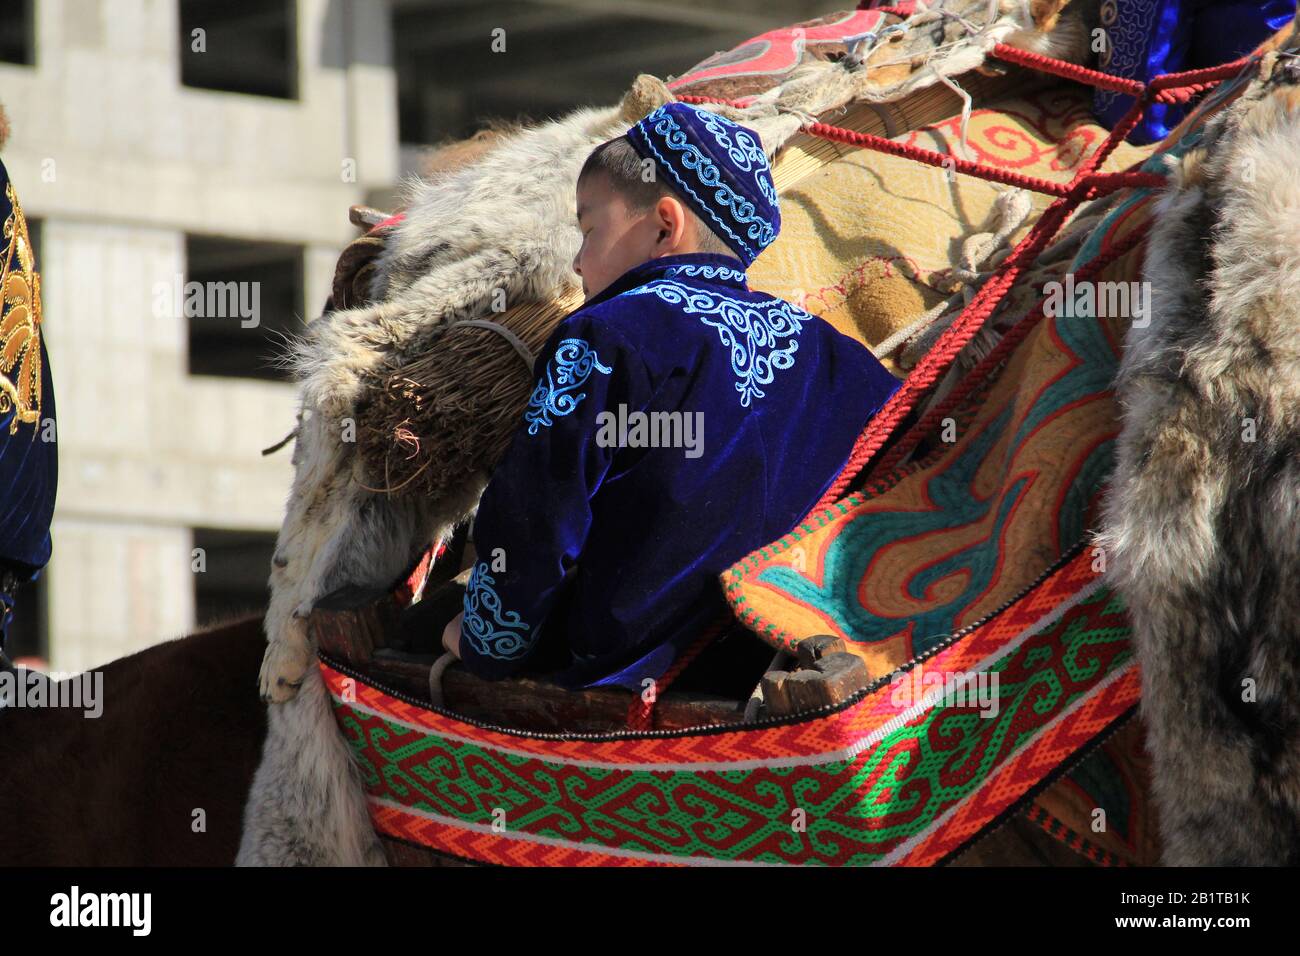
[927,701]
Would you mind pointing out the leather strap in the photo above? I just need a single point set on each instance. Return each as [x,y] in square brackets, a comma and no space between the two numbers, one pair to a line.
[505,333]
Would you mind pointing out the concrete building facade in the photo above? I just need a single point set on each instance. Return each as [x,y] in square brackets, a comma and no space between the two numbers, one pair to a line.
[120,164]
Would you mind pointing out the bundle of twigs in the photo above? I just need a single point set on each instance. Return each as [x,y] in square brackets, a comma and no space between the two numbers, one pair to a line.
[454,408]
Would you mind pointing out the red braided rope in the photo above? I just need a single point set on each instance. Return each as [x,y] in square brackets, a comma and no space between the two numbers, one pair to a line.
[1069,71]
[945,349]
[698,98]
[1006,345]
[934,158]
[1205,75]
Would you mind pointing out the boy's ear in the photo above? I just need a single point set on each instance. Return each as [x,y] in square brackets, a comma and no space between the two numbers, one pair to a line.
[671,215]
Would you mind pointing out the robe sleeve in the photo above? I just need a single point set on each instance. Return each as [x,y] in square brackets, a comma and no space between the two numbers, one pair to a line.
[535,514]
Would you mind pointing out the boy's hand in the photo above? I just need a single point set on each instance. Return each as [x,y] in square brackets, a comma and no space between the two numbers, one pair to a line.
[451,635]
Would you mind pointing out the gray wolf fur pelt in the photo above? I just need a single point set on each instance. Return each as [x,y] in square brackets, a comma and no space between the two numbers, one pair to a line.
[1201,528]
[499,229]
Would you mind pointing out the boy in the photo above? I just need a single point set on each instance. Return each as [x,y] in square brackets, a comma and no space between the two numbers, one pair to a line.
[680,419]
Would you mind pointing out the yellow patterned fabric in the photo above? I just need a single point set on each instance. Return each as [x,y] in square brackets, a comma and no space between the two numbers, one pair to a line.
[28,451]
[869,241]
[20,322]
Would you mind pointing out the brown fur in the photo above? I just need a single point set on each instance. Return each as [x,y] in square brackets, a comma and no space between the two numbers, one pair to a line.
[1046,13]
[181,729]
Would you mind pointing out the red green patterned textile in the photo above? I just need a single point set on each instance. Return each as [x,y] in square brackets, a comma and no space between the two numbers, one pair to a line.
[905,775]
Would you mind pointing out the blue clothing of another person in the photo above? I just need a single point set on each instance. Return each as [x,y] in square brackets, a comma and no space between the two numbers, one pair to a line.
[761,403]
[28,453]
[1147,38]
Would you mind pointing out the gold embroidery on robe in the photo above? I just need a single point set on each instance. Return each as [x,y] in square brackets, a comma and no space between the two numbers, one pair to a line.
[20,323]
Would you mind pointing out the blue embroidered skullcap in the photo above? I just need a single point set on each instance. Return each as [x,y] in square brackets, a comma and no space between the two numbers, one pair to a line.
[718,168]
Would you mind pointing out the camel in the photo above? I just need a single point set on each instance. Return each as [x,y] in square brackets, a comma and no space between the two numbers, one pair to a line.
[159,779]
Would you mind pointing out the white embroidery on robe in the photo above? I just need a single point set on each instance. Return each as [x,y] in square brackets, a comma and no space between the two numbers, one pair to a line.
[762,336]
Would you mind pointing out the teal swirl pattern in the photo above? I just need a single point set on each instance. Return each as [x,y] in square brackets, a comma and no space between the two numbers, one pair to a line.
[506,635]
[571,366]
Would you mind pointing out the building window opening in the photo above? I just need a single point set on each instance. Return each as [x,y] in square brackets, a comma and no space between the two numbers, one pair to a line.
[239,46]
[231,572]
[241,300]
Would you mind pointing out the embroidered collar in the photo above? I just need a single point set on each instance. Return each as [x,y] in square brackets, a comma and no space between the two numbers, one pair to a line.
[706,267]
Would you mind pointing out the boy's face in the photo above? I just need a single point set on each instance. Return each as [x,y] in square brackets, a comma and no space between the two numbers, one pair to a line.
[614,238]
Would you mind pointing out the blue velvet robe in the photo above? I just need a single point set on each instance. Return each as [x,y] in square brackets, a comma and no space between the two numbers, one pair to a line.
[1151,37]
[763,402]
[28,455]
